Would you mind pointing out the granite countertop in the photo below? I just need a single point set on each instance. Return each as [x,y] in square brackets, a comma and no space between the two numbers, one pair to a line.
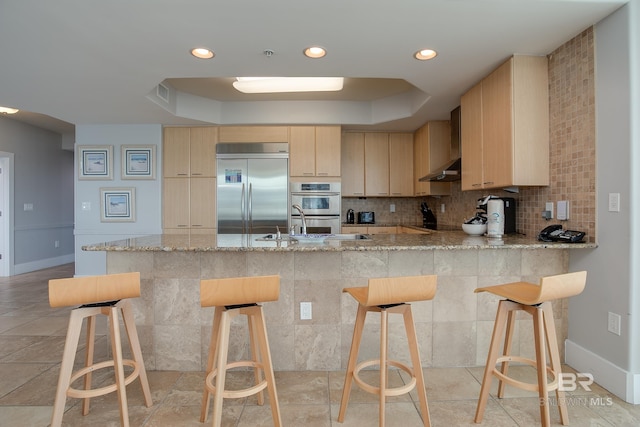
[434,240]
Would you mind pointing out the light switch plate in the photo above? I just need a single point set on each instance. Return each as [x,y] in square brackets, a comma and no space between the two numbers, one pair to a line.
[549,208]
[563,210]
[614,202]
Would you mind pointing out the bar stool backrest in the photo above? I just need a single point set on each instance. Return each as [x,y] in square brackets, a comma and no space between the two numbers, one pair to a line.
[93,289]
[562,286]
[239,290]
[395,290]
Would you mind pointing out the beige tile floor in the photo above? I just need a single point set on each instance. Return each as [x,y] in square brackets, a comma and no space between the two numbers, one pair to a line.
[32,339]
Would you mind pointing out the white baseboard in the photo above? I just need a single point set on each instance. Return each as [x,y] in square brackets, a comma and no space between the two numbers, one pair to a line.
[623,384]
[28,267]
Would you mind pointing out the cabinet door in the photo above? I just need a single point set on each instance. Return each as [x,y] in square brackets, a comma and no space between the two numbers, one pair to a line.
[400,159]
[352,153]
[202,143]
[328,151]
[203,203]
[302,151]
[354,230]
[497,127]
[175,203]
[471,138]
[175,152]
[253,134]
[376,164]
[420,164]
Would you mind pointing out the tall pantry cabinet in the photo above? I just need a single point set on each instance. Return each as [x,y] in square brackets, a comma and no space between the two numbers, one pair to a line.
[505,127]
[189,179]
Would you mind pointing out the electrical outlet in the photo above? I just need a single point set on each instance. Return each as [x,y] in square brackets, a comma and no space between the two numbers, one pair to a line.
[549,208]
[442,208]
[305,311]
[392,207]
[614,202]
[613,323]
[56,244]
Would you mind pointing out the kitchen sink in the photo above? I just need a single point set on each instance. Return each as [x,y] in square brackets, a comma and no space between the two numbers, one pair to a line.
[316,238]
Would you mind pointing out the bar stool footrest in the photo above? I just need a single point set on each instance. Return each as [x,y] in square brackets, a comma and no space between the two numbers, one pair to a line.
[553,385]
[235,394]
[82,394]
[396,391]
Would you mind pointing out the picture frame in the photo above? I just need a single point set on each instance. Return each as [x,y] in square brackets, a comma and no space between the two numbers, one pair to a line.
[95,162]
[117,204]
[138,161]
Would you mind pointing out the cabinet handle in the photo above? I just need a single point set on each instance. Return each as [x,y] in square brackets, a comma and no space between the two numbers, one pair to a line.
[182,174]
[307,173]
[383,194]
[196,225]
[488,182]
[476,185]
[323,173]
[182,225]
[198,174]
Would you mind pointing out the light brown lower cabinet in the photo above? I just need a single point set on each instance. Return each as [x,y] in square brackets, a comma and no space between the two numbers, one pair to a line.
[189,204]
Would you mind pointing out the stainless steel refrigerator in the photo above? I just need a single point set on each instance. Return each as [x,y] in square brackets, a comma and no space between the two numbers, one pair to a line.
[253,187]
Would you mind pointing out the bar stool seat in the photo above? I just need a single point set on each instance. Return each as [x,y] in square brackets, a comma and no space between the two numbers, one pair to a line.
[384,296]
[535,300]
[232,297]
[106,295]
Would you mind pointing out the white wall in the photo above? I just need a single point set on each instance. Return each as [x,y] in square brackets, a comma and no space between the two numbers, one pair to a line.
[613,268]
[148,193]
[42,177]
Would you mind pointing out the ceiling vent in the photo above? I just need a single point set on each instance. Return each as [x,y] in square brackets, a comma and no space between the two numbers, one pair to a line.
[163,92]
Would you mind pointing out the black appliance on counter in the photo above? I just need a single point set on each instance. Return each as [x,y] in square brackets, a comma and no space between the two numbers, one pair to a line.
[350,216]
[429,220]
[509,212]
[366,218]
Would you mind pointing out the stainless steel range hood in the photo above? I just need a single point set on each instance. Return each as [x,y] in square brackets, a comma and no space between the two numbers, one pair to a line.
[447,173]
[451,170]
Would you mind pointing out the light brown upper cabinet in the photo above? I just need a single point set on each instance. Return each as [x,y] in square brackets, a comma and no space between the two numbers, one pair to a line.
[352,164]
[376,164]
[431,149]
[189,151]
[314,151]
[254,134]
[505,127]
[400,161]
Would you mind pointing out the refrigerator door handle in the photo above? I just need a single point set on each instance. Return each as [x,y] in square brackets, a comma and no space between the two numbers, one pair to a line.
[242,209]
[250,208]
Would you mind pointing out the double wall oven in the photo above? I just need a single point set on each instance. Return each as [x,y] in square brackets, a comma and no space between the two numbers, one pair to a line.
[320,202]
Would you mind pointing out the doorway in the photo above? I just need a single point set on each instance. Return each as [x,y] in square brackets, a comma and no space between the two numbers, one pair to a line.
[6,162]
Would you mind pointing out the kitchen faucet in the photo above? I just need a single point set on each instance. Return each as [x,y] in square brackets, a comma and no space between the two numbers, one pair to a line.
[304,221]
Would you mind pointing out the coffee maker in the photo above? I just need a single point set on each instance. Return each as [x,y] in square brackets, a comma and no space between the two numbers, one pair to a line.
[509,211]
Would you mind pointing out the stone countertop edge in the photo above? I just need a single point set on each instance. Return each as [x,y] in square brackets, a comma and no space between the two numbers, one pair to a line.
[435,240]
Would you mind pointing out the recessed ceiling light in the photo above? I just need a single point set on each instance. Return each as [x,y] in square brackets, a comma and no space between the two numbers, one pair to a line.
[288,84]
[425,54]
[315,52]
[202,53]
[7,110]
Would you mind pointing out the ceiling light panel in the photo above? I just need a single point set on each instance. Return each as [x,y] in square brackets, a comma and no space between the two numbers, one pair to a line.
[288,84]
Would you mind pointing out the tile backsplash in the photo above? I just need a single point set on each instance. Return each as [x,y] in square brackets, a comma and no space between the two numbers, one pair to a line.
[572,158]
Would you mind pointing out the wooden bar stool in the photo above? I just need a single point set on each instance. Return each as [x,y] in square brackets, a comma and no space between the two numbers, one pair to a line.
[232,297]
[384,296]
[96,295]
[535,300]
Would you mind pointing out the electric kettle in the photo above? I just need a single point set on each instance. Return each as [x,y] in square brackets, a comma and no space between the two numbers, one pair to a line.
[350,216]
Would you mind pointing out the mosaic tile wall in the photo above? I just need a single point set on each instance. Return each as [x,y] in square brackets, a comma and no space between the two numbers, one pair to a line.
[572,157]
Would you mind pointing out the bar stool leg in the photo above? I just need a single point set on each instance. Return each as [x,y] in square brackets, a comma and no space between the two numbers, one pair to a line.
[222,353]
[384,336]
[554,355]
[211,361]
[353,357]
[88,360]
[541,362]
[134,344]
[266,365]
[412,338]
[492,357]
[256,357]
[508,340]
[116,348]
[66,367]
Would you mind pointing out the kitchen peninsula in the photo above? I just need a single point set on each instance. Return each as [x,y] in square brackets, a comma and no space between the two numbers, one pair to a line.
[454,329]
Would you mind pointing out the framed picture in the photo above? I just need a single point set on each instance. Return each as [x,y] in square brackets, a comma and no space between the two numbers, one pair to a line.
[117,204]
[138,161]
[95,162]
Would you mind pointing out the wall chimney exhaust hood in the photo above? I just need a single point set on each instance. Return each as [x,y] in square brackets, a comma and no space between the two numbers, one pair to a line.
[451,170]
